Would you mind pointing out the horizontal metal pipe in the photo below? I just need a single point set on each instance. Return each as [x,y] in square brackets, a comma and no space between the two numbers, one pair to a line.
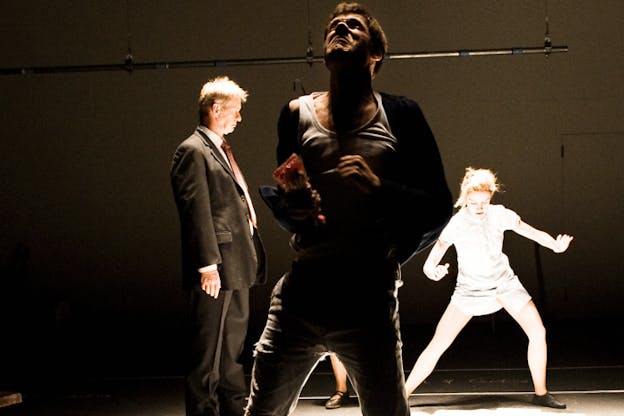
[129,65]
[480,52]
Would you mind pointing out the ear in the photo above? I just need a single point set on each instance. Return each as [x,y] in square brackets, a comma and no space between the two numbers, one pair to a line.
[372,63]
[375,56]
[215,108]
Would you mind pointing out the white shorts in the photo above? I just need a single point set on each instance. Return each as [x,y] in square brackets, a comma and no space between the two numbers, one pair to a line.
[485,302]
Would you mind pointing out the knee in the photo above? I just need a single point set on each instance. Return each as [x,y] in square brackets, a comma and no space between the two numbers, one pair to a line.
[439,345]
[263,346]
[537,334]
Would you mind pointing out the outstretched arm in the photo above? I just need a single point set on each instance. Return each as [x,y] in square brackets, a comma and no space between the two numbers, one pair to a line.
[432,268]
[558,245]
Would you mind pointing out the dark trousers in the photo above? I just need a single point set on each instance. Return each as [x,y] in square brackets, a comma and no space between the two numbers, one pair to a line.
[305,323]
[215,382]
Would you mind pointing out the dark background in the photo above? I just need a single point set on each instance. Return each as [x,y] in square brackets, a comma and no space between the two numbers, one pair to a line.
[89,240]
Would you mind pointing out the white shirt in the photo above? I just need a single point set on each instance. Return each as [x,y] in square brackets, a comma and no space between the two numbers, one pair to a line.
[479,246]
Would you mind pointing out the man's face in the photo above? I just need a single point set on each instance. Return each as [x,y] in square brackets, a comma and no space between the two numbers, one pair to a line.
[226,115]
[347,35]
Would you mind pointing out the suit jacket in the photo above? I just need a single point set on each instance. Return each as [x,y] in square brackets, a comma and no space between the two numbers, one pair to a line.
[214,217]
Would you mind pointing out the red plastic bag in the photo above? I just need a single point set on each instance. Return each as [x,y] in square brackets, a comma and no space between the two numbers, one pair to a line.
[291,175]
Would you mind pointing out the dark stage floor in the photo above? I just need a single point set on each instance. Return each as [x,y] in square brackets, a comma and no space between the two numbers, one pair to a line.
[594,391]
[484,373]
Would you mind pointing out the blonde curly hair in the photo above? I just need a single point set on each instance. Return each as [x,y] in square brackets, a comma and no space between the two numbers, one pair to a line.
[480,180]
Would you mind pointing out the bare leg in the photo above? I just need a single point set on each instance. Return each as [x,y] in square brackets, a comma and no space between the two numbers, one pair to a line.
[338,397]
[340,373]
[451,323]
[529,320]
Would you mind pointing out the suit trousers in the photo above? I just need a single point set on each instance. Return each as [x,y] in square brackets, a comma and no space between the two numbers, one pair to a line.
[215,382]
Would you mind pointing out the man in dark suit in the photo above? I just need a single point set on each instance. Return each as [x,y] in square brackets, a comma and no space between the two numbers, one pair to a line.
[222,254]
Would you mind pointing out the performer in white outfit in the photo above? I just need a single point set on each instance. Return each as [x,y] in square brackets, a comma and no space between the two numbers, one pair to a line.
[485,281]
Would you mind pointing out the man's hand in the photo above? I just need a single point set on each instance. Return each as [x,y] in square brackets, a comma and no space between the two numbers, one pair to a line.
[302,203]
[355,168]
[211,283]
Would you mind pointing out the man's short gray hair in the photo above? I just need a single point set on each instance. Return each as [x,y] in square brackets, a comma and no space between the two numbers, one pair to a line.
[219,89]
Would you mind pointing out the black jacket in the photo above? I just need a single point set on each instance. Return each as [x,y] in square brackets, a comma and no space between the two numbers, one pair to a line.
[414,202]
